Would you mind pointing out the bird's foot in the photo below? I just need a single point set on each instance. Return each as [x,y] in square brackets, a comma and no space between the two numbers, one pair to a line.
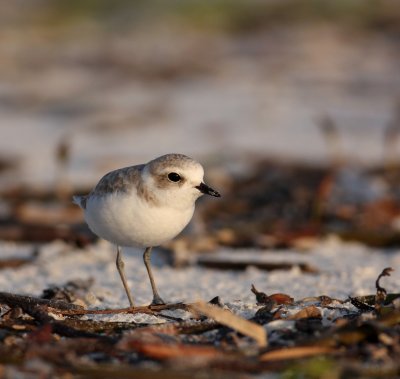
[157,301]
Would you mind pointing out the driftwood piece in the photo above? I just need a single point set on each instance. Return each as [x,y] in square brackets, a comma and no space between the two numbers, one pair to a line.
[183,327]
[127,372]
[20,231]
[39,310]
[221,264]
[28,302]
[14,262]
[41,315]
[225,317]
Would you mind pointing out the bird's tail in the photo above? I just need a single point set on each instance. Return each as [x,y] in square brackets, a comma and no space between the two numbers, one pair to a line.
[80,200]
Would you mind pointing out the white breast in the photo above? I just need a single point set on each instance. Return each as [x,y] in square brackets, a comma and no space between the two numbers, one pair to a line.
[126,220]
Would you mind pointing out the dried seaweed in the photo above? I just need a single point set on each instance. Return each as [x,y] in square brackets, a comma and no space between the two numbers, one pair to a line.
[219,343]
[277,205]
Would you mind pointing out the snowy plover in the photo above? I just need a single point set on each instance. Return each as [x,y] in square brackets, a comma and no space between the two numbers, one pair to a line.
[144,206]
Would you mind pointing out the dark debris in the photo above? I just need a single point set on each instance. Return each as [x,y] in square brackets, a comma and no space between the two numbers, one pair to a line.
[70,344]
[282,205]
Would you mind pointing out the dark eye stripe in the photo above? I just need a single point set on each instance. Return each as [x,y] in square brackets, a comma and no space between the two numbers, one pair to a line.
[174,177]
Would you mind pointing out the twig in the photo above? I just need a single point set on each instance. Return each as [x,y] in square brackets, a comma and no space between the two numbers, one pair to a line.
[92,326]
[380,291]
[296,353]
[149,309]
[40,314]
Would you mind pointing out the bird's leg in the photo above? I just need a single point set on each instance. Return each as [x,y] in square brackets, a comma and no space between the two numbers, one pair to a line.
[146,259]
[120,267]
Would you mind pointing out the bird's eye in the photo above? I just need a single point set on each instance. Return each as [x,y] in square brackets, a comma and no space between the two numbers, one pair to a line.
[174,177]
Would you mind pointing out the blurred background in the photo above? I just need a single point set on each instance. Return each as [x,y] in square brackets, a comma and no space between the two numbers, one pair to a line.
[293,106]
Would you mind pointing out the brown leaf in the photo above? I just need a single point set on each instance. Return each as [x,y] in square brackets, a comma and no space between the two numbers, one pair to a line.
[42,334]
[274,299]
[308,312]
[281,298]
[164,351]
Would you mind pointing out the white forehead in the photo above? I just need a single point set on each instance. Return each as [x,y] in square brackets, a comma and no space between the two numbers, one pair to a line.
[178,163]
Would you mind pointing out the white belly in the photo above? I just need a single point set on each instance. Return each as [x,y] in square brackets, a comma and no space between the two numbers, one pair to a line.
[126,220]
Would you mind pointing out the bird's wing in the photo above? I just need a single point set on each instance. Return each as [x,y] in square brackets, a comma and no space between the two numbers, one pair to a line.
[121,180]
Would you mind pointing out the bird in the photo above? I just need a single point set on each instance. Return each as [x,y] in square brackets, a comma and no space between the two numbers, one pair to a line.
[144,206]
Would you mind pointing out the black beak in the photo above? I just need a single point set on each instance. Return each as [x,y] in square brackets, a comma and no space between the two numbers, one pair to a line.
[204,188]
